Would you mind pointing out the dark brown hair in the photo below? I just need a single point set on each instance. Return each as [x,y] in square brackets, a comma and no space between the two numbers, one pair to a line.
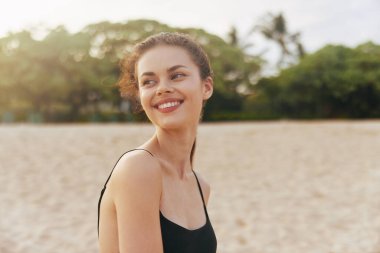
[128,82]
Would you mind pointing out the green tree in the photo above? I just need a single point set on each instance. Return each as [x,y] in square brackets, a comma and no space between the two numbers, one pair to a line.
[334,82]
[71,76]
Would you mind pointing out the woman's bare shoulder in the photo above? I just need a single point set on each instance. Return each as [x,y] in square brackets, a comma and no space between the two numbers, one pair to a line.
[136,167]
[206,188]
[135,188]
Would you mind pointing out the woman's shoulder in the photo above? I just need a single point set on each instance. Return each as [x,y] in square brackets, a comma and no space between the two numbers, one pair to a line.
[135,191]
[134,168]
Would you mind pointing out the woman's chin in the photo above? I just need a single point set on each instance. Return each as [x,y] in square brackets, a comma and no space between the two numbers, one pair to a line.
[174,123]
[171,124]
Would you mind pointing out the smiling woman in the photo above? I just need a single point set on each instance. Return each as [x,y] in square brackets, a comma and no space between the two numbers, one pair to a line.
[153,201]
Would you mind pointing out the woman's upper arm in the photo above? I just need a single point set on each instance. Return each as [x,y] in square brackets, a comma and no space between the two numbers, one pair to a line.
[136,187]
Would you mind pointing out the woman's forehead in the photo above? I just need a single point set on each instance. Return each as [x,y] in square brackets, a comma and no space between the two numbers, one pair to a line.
[164,57]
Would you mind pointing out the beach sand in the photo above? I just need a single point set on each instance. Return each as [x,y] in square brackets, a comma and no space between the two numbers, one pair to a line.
[281,187]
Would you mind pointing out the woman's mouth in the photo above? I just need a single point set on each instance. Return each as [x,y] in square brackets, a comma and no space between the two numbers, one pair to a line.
[169,106]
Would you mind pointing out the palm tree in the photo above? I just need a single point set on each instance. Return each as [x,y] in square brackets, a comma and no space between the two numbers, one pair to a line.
[274,28]
[235,40]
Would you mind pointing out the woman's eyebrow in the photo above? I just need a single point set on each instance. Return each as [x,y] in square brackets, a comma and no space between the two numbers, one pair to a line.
[147,74]
[171,69]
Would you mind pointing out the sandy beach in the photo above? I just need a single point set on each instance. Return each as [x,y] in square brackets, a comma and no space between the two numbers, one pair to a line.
[276,187]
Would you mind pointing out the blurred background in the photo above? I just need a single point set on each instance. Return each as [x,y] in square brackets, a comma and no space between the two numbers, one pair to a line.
[272,60]
[289,140]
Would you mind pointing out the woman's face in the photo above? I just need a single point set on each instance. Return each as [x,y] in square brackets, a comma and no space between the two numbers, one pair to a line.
[171,90]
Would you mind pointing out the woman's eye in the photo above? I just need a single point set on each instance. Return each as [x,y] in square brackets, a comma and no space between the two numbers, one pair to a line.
[147,82]
[178,75]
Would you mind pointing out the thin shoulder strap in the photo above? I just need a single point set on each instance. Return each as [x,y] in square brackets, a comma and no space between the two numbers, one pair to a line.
[199,186]
[200,189]
[119,160]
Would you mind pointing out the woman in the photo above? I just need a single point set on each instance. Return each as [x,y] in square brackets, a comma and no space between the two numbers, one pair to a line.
[153,201]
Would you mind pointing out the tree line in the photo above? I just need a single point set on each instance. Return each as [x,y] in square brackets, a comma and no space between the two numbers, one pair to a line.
[67,77]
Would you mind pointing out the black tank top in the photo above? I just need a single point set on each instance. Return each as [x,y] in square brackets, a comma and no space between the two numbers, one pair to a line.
[178,239]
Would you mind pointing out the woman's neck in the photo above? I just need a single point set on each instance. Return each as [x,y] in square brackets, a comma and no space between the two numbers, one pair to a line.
[174,147]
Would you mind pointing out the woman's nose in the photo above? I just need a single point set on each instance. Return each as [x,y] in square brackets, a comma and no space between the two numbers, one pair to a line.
[164,87]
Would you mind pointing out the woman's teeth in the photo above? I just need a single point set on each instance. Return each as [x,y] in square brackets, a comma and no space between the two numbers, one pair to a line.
[166,105]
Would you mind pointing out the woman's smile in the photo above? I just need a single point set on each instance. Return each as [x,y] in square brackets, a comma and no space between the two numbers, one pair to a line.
[168,106]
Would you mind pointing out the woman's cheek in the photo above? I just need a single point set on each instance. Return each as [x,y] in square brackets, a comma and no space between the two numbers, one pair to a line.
[143,99]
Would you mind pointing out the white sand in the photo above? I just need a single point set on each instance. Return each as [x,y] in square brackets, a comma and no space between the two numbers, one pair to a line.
[283,187]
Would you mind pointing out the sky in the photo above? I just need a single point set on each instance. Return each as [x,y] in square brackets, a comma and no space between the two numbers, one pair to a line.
[348,22]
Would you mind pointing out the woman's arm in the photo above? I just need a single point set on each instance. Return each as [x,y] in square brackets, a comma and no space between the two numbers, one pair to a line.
[136,189]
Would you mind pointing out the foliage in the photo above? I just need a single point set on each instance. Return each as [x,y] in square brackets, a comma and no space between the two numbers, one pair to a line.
[334,82]
[274,28]
[71,77]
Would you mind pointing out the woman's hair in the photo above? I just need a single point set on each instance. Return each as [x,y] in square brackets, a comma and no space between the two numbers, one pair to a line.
[128,81]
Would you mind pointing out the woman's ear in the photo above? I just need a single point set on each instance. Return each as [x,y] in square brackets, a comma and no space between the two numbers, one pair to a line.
[208,87]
